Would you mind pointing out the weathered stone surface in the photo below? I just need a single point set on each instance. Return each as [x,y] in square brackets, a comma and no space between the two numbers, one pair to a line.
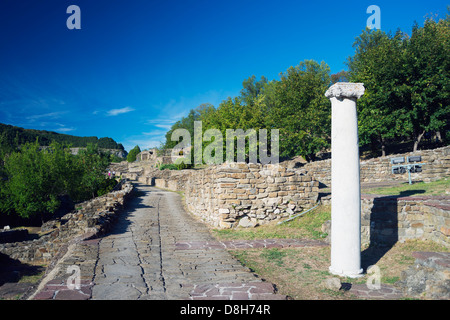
[259,187]
[333,283]
[379,169]
[154,252]
[245,222]
[345,90]
[429,277]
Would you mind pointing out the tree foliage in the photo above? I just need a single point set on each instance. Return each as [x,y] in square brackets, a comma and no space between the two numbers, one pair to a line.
[17,136]
[35,178]
[407,83]
[407,94]
[301,110]
[295,105]
[131,157]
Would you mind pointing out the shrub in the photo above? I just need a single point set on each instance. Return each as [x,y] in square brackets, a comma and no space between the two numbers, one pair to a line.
[131,157]
[169,166]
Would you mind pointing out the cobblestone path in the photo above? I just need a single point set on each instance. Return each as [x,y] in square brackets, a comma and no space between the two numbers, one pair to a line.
[141,257]
[156,250]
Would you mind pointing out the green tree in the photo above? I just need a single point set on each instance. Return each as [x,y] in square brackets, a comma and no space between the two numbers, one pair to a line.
[299,108]
[252,89]
[188,124]
[131,157]
[379,64]
[407,83]
[92,164]
[35,179]
[341,76]
[428,78]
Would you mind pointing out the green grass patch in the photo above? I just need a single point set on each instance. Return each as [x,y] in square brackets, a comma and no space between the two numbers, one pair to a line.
[434,188]
[274,255]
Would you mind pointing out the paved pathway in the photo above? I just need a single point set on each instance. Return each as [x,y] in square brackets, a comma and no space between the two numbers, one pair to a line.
[140,259]
[158,251]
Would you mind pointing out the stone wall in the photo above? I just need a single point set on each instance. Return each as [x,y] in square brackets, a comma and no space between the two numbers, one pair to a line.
[379,169]
[388,219]
[234,194]
[240,194]
[91,218]
[243,194]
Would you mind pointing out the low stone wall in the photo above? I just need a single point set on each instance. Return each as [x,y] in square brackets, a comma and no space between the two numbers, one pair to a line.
[240,194]
[379,169]
[388,219]
[173,180]
[243,194]
[91,218]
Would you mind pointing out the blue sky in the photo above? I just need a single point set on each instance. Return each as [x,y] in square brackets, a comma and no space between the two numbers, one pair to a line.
[137,66]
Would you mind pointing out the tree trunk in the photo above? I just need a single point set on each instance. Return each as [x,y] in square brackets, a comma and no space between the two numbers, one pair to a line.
[383,146]
[417,140]
[439,137]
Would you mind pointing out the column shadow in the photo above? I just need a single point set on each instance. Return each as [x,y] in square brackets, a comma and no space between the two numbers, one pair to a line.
[383,227]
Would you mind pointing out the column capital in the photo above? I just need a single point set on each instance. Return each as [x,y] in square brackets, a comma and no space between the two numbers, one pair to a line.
[341,90]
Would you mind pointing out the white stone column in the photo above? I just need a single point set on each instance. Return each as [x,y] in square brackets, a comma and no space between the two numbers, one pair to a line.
[345,184]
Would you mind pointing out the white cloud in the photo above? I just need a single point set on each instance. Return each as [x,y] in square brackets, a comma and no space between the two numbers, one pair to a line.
[155,133]
[64,130]
[50,115]
[164,126]
[115,112]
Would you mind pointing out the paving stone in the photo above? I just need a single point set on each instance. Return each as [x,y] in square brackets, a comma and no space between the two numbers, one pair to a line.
[71,295]
[386,292]
[155,250]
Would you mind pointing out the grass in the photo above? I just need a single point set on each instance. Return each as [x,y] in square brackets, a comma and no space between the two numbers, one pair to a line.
[33,278]
[435,188]
[301,272]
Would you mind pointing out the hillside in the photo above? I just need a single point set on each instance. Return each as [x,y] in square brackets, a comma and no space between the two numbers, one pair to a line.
[14,136]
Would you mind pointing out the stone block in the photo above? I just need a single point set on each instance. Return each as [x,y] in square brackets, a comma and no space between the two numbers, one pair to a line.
[238,175]
[445,231]
[227,185]
[246,222]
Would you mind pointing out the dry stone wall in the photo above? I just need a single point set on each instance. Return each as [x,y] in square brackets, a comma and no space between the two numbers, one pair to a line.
[233,194]
[388,219]
[240,194]
[248,194]
[379,169]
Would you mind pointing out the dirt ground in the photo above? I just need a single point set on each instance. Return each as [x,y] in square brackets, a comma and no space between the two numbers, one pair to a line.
[301,272]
